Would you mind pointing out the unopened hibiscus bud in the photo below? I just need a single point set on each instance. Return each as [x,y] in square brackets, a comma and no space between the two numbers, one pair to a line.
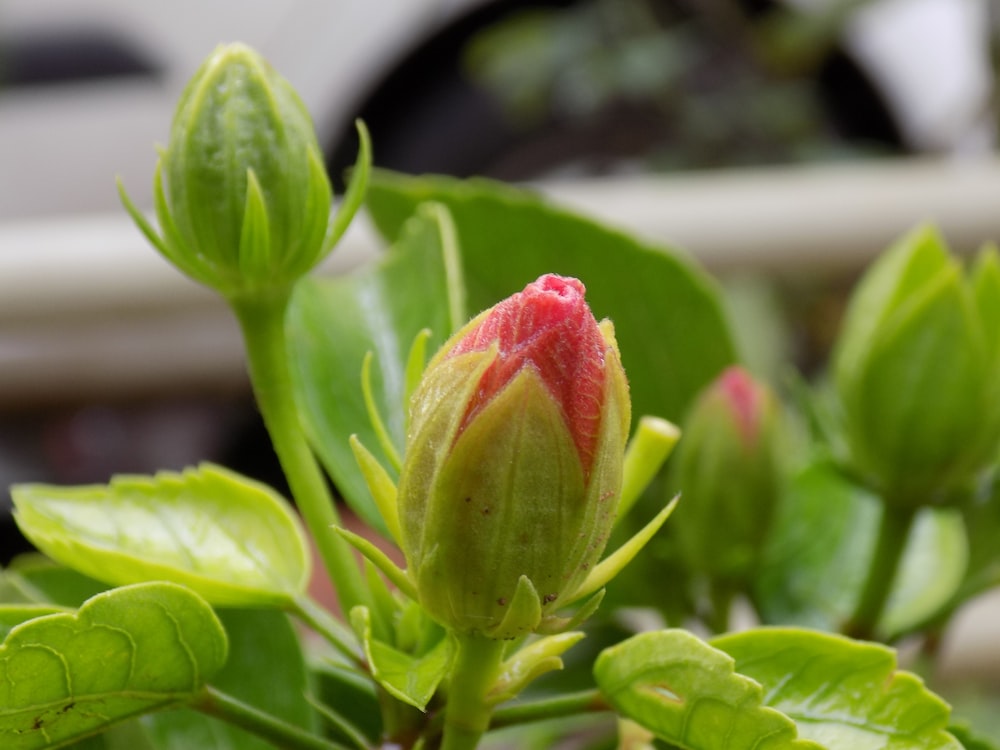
[513,461]
[242,195]
[728,469]
[918,371]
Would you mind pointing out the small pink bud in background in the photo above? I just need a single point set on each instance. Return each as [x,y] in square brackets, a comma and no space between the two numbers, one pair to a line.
[728,471]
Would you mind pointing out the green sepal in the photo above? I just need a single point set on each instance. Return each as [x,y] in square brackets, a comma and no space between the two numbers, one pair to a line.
[381,486]
[649,448]
[553,624]
[524,612]
[255,234]
[357,188]
[377,423]
[416,361]
[530,663]
[380,560]
[411,679]
[612,565]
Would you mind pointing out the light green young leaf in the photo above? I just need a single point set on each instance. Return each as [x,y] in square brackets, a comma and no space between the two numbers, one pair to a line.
[412,679]
[844,694]
[688,693]
[127,651]
[666,311]
[334,322]
[232,540]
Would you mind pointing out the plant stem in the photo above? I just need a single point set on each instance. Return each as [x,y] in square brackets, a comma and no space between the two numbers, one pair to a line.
[893,533]
[574,704]
[332,629]
[263,323]
[467,715]
[215,703]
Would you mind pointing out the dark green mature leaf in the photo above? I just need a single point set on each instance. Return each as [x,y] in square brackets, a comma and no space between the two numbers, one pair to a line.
[687,693]
[844,694]
[333,322]
[667,315]
[231,539]
[971,741]
[127,651]
[818,552]
[36,578]
[265,669]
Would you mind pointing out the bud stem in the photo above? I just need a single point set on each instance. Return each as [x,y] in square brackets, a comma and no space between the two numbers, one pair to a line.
[467,715]
[262,320]
[893,533]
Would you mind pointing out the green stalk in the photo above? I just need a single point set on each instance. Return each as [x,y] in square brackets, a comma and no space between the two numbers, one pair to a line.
[893,534]
[215,703]
[573,704]
[262,320]
[467,714]
[333,630]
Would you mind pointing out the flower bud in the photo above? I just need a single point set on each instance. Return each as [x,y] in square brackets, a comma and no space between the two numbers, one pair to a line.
[917,371]
[728,469]
[242,195]
[513,460]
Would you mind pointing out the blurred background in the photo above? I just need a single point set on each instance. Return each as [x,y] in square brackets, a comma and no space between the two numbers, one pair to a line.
[782,144]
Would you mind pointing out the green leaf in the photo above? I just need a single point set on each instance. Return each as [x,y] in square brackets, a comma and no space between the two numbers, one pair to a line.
[41,580]
[231,539]
[127,651]
[969,740]
[687,693]
[412,679]
[844,694]
[668,319]
[271,678]
[817,556]
[334,322]
[15,614]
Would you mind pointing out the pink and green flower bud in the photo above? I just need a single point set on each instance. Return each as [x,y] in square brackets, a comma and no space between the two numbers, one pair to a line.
[513,462]
[729,472]
[917,371]
[242,196]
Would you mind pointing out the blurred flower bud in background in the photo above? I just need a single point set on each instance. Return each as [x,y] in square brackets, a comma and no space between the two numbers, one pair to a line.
[917,370]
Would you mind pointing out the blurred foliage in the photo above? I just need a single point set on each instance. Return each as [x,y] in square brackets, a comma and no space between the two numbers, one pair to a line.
[678,85]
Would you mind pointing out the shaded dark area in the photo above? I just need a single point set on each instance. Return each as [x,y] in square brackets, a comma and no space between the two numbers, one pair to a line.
[69,56]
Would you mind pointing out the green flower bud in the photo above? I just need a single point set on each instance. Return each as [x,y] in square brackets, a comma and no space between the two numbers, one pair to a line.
[918,371]
[242,195]
[729,472]
[513,462]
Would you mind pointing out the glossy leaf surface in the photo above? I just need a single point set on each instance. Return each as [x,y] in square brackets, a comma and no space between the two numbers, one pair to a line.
[127,651]
[687,693]
[334,322]
[231,539]
[843,694]
[668,320]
